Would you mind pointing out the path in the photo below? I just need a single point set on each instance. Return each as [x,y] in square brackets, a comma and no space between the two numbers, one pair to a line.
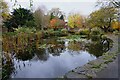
[112,70]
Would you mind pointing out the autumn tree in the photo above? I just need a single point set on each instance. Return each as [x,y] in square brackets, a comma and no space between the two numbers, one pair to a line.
[110,3]
[56,18]
[116,25]
[56,23]
[75,20]
[102,18]
[4,11]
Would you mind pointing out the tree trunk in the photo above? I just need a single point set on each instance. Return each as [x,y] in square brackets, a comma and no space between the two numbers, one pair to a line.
[104,28]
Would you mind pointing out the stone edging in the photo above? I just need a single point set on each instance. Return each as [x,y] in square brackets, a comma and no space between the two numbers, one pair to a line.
[90,69]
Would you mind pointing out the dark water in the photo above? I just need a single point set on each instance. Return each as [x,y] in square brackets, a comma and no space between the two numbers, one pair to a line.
[55,58]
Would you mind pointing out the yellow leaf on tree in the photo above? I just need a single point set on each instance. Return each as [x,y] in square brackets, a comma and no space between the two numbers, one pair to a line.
[116,25]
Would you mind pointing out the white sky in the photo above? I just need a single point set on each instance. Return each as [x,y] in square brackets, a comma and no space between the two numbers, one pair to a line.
[84,7]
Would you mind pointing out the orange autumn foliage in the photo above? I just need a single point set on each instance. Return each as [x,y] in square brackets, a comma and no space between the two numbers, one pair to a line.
[57,23]
[53,23]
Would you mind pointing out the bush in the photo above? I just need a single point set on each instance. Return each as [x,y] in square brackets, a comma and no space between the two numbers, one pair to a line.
[116,32]
[95,37]
[58,33]
[39,34]
[72,32]
[95,34]
[50,32]
[84,32]
[104,37]
[25,30]
[96,31]
[65,31]
[9,34]
[73,37]
[77,33]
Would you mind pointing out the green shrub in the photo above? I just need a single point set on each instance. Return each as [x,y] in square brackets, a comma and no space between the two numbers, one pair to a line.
[65,31]
[46,34]
[77,33]
[84,32]
[10,34]
[73,37]
[104,37]
[95,37]
[95,34]
[58,33]
[39,34]
[72,32]
[25,30]
[50,32]
[116,32]
[96,31]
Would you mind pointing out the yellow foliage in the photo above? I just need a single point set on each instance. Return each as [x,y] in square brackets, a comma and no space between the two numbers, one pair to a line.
[4,10]
[75,20]
[5,16]
[116,25]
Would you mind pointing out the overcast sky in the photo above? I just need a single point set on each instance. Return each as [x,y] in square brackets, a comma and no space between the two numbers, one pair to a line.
[84,7]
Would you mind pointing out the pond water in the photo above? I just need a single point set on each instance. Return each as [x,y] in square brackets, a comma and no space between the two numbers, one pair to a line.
[54,58]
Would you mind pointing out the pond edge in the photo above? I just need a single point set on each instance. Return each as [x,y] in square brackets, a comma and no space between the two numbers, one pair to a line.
[90,69]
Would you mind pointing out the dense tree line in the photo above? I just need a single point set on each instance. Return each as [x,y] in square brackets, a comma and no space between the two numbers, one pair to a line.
[42,19]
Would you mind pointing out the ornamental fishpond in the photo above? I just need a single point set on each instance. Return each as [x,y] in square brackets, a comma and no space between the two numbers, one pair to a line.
[48,58]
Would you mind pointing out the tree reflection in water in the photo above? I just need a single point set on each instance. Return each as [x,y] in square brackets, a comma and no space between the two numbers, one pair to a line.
[98,48]
[76,46]
[56,49]
[42,54]
[7,66]
[93,48]
[24,55]
[31,52]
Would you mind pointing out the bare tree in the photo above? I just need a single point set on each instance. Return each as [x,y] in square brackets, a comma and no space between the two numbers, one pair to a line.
[56,12]
[112,3]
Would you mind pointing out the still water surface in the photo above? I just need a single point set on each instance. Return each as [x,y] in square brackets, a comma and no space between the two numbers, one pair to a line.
[54,66]
[56,58]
